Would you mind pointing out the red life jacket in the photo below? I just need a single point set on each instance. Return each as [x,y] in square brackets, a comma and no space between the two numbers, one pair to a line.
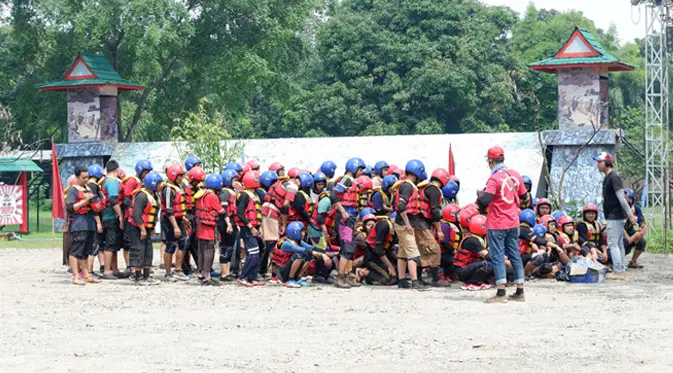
[413,204]
[424,201]
[280,257]
[97,203]
[253,212]
[231,208]
[178,201]
[525,246]
[308,207]
[203,215]
[131,184]
[349,198]
[149,212]
[455,237]
[329,217]
[189,198]
[120,196]
[371,235]
[81,194]
[461,257]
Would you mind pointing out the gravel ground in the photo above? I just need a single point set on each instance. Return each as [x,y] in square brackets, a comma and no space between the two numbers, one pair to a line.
[49,325]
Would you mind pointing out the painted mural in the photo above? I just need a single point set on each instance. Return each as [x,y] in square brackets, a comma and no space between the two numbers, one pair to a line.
[108,118]
[83,115]
[579,98]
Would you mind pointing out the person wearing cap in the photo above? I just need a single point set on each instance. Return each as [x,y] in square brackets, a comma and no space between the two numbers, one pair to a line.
[616,210]
[502,194]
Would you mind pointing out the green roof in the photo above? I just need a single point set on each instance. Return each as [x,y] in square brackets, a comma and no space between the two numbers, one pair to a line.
[102,73]
[18,165]
[591,53]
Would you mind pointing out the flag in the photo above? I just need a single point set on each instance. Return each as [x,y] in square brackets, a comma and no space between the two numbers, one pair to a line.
[58,207]
[242,154]
[452,166]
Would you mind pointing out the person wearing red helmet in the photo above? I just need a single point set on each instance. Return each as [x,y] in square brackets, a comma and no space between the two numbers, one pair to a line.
[568,237]
[502,194]
[471,262]
[617,212]
[542,207]
[430,201]
[275,210]
[174,222]
[253,164]
[589,234]
[452,235]
[278,168]
[249,220]
[112,219]
[192,185]
[366,189]
[379,256]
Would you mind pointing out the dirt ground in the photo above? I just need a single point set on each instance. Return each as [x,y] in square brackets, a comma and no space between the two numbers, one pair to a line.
[49,325]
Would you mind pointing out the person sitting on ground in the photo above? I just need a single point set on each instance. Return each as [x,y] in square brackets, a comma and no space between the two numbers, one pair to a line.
[379,256]
[634,234]
[471,262]
[542,207]
[290,256]
[453,234]
[589,234]
[568,238]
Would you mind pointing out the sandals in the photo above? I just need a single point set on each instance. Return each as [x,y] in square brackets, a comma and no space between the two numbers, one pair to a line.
[77,281]
[91,280]
[634,266]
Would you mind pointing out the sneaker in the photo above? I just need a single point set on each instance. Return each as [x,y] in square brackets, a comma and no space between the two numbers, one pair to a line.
[143,282]
[214,274]
[258,283]
[304,283]
[168,277]
[417,285]
[633,265]
[403,284]
[618,276]
[154,281]
[162,266]
[244,283]
[442,283]
[78,281]
[109,276]
[517,298]
[352,281]
[179,275]
[485,286]
[227,278]
[470,287]
[292,284]
[341,282]
[318,280]
[330,281]
[496,299]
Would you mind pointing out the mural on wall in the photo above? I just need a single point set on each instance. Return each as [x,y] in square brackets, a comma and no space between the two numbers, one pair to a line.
[579,98]
[83,115]
[604,102]
[108,118]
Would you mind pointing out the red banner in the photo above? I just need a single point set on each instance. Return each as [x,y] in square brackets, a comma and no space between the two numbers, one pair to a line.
[11,205]
[58,208]
[452,166]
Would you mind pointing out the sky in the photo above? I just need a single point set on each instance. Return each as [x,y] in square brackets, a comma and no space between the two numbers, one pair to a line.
[602,12]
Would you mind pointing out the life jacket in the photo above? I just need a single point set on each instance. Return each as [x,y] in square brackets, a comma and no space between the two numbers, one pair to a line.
[413,204]
[365,199]
[253,212]
[231,208]
[455,237]
[189,198]
[120,196]
[179,204]
[149,213]
[461,257]
[308,207]
[526,202]
[329,217]
[360,244]
[280,257]
[384,197]
[525,246]
[349,198]
[97,203]
[371,235]
[593,233]
[424,201]
[135,183]
[564,238]
[81,195]
[203,215]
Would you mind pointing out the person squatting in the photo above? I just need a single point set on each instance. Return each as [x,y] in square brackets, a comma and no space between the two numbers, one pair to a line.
[380,225]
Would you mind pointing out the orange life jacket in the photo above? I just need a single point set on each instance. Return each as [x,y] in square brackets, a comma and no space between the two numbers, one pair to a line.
[280,257]
[149,212]
[525,246]
[131,184]
[189,198]
[120,196]
[253,212]
[455,237]
[462,257]
[308,207]
[81,195]
[424,201]
[97,203]
[178,201]
[231,208]
[349,198]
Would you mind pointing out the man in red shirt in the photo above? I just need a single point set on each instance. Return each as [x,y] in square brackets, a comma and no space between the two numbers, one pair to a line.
[208,208]
[503,191]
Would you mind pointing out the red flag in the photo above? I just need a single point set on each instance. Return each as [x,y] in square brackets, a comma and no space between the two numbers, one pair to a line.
[58,205]
[452,166]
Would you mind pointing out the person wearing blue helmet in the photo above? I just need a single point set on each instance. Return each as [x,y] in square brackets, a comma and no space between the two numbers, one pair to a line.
[526,202]
[450,192]
[208,208]
[291,256]
[132,183]
[237,185]
[191,162]
[367,172]
[302,206]
[529,242]
[557,214]
[226,227]
[329,169]
[142,220]
[267,178]
[344,197]
[380,172]
[381,197]
[97,204]
[321,230]
[634,233]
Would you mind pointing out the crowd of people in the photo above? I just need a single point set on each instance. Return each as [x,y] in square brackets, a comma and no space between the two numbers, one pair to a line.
[382,225]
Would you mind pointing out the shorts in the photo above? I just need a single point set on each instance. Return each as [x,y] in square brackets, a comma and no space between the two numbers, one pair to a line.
[428,248]
[125,236]
[141,250]
[640,246]
[228,240]
[270,229]
[97,244]
[112,235]
[407,248]
[81,244]
[346,241]
[168,236]
[283,272]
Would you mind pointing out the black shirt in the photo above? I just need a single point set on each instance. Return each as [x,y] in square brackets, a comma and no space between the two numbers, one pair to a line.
[612,208]
[472,244]
[241,205]
[434,194]
[139,204]
[299,206]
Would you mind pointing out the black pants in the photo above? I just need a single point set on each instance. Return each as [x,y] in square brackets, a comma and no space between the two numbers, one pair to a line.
[192,250]
[81,244]
[447,262]
[141,250]
[474,273]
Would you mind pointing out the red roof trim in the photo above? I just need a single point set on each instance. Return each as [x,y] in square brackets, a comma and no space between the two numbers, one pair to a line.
[118,86]
[612,66]
[576,34]
[72,67]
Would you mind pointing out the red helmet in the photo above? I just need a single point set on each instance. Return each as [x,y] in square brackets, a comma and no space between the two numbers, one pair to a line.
[450,213]
[293,172]
[174,170]
[565,219]
[393,169]
[275,166]
[251,180]
[253,164]
[121,173]
[589,207]
[72,180]
[495,152]
[246,168]
[540,202]
[466,214]
[441,175]
[478,225]
[368,217]
[545,220]
[455,179]
[196,173]
[364,182]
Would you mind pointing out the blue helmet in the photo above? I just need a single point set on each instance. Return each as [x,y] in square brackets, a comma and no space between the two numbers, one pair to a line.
[234,166]
[318,177]
[367,171]
[354,164]
[365,211]
[305,180]
[416,167]
[388,181]
[214,181]
[527,216]
[294,229]
[527,181]
[539,229]
[379,166]
[267,178]
[152,180]
[450,190]
[228,176]
[328,168]
[95,170]
[558,214]
[629,193]
[191,161]
[143,165]
[393,215]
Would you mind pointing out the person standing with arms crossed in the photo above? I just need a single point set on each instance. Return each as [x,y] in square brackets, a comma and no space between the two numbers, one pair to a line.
[502,194]
[616,210]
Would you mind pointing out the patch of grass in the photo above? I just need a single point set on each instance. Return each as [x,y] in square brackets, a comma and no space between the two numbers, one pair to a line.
[655,242]
[45,219]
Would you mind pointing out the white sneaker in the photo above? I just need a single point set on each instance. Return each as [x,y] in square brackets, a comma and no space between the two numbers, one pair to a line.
[179,275]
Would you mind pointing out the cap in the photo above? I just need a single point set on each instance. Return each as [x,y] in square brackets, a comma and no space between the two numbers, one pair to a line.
[604,157]
[495,152]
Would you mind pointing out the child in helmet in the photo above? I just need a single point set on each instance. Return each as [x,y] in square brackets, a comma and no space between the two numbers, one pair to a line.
[208,208]
[527,201]
[634,234]
[568,237]
[556,252]
[589,234]
[471,264]
[542,207]
[450,192]
[381,197]
[365,191]
[379,256]
[380,172]
[531,244]
[292,256]
[453,234]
